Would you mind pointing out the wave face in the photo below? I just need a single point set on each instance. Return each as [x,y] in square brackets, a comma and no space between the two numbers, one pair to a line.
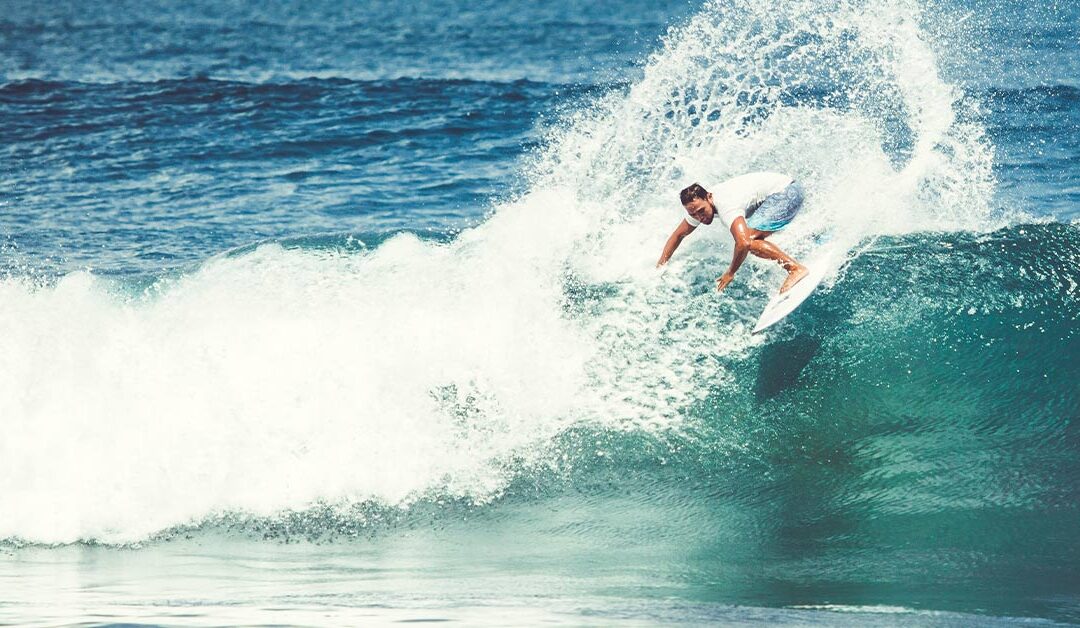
[933,378]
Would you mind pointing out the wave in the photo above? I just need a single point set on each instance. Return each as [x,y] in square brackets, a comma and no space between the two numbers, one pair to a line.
[275,391]
[277,379]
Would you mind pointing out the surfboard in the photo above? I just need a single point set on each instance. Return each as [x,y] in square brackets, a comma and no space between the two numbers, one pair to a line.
[783,304]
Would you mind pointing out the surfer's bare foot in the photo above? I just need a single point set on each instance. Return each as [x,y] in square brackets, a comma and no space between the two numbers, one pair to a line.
[793,277]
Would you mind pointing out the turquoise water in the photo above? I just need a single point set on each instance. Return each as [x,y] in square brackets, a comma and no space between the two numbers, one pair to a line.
[335,314]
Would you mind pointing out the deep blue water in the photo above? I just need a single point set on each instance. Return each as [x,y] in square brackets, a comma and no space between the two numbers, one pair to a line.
[158,122]
[323,313]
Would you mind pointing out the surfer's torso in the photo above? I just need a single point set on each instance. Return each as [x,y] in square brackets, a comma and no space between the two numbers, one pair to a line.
[741,195]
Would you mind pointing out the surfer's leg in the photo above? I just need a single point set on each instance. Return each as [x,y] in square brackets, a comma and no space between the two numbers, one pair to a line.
[774,213]
[794,276]
[767,250]
[762,248]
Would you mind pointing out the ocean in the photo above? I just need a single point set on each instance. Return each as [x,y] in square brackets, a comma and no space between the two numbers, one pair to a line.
[324,313]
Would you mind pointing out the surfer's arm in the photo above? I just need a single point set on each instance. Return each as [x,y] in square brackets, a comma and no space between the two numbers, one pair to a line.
[684,229]
[741,232]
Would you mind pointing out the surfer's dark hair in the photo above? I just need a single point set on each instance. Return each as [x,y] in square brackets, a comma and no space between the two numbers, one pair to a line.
[693,191]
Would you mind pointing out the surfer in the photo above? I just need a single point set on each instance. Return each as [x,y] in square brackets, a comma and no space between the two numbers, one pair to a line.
[752,206]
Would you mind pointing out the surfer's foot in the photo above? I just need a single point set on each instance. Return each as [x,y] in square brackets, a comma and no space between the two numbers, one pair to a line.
[794,275]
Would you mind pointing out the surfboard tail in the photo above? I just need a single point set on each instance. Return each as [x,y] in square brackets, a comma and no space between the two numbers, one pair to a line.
[785,303]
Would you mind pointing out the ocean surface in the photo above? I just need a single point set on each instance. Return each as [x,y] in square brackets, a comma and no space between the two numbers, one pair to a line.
[325,313]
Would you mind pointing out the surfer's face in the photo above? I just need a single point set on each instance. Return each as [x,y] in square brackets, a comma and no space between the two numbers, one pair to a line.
[701,209]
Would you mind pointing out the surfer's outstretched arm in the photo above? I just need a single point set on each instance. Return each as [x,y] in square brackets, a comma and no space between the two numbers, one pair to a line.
[684,229]
[741,232]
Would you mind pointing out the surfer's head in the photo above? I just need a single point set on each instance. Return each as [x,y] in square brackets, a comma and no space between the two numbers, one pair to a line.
[698,203]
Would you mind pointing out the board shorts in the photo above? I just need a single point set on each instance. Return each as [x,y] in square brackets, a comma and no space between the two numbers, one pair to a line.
[778,209]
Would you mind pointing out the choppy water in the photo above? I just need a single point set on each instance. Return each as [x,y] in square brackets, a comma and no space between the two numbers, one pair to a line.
[321,314]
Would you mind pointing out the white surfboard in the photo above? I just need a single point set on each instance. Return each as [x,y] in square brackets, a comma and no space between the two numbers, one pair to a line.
[783,304]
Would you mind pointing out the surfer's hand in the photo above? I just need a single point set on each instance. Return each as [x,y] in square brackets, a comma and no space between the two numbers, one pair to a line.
[723,281]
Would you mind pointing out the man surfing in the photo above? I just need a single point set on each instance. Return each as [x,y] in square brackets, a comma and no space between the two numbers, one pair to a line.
[752,206]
